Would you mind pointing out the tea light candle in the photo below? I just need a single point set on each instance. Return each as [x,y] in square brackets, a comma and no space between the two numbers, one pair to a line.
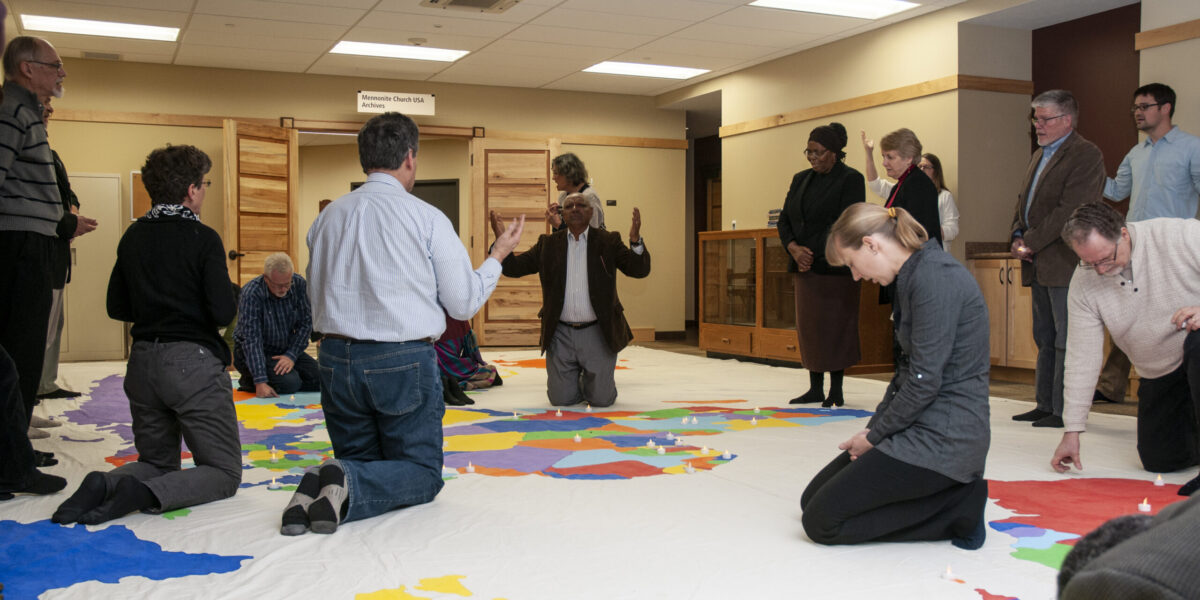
[470,467]
[1144,506]
[274,485]
[1158,481]
[274,455]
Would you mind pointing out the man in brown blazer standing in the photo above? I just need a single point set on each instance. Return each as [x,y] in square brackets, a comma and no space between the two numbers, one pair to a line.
[583,322]
[1063,173]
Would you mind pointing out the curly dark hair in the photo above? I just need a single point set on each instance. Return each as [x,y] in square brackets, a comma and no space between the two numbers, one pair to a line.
[170,170]
[568,165]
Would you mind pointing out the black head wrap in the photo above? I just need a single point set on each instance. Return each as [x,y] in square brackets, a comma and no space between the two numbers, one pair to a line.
[832,137]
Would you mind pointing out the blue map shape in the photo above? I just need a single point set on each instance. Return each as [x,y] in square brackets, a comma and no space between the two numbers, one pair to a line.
[78,555]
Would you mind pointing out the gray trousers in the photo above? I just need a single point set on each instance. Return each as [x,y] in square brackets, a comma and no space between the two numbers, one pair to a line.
[53,344]
[579,368]
[179,390]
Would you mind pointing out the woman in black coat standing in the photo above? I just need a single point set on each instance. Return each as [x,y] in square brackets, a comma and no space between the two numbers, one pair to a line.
[826,296]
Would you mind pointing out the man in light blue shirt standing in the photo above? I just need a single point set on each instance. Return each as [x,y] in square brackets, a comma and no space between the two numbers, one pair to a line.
[1161,178]
[383,264]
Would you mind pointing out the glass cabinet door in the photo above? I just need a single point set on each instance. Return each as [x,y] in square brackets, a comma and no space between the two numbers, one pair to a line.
[779,297]
[729,284]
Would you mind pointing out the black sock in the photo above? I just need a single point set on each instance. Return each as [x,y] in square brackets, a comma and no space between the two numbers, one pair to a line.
[816,391]
[458,393]
[91,493]
[128,495]
[323,515]
[835,397]
[448,396]
[973,540]
[295,516]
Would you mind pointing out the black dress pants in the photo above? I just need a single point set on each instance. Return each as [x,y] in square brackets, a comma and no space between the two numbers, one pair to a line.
[1168,407]
[880,499]
[16,454]
[26,287]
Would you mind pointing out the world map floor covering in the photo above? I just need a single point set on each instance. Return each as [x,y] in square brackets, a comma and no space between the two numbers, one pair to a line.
[687,488]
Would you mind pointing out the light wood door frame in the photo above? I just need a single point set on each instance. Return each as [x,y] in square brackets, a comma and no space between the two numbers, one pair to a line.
[506,332]
[235,134]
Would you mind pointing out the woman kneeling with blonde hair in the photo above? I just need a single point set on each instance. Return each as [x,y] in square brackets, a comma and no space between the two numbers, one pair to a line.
[916,471]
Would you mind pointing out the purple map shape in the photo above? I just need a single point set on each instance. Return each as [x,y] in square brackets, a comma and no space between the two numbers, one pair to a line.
[107,409]
[79,555]
[525,459]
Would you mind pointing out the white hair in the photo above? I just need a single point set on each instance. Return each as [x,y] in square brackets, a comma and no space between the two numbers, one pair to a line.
[279,262]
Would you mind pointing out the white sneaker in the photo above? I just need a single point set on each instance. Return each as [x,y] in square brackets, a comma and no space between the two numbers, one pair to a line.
[37,434]
[42,423]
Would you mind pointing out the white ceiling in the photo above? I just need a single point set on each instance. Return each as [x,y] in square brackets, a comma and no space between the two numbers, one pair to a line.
[536,44]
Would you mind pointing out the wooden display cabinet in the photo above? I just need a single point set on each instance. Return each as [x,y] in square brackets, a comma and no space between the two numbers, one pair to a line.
[1010,312]
[748,307]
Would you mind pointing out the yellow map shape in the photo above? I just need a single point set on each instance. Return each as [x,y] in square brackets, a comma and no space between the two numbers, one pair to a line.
[455,416]
[264,416]
[483,441]
[740,425]
[446,584]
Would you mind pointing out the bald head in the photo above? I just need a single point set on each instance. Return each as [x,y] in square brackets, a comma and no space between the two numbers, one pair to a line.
[34,64]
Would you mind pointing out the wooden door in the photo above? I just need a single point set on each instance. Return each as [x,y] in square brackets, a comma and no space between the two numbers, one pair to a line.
[261,192]
[991,276]
[1022,352]
[511,178]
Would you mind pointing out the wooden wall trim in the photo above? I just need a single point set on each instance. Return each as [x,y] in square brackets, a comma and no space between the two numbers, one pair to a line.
[900,94]
[590,140]
[135,118]
[1170,34]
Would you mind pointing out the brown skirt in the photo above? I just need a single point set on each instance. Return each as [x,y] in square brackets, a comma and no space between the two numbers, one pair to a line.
[827,320]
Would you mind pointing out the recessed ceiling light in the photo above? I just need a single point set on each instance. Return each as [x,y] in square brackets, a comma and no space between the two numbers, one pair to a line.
[398,51]
[100,28]
[862,9]
[644,70]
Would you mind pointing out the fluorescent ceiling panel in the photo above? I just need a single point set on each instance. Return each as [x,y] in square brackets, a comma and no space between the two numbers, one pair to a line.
[644,70]
[100,28]
[398,51]
[862,9]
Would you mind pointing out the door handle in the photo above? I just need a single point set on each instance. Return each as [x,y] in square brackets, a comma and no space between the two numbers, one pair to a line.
[234,255]
[1010,269]
[1000,274]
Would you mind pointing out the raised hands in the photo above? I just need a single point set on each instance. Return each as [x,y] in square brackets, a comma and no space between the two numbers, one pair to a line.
[635,230]
[507,238]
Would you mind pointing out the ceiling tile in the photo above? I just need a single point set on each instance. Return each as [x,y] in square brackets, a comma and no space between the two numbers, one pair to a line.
[263,27]
[199,54]
[64,42]
[279,11]
[255,42]
[787,20]
[641,55]
[559,35]
[574,20]
[528,48]
[443,22]
[487,59]
[494,76]
[399,36]
[685,10]
[778,38]
[394,68]
[520,13]
[710,48]
[608,84]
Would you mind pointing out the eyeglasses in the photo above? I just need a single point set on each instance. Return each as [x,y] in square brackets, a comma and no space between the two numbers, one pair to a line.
[1104,263]
[57,66]
[1143,107]
[1042,122]
[814,153]
[206,183]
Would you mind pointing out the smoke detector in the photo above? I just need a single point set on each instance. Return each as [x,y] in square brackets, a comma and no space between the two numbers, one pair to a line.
[484,6]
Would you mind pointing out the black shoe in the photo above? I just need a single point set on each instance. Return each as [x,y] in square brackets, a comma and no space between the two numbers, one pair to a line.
[812,396]
[834,399]
[59,393]
[1050,421]
[1190,487]
[44,459]
[1032,415]
[1099,397]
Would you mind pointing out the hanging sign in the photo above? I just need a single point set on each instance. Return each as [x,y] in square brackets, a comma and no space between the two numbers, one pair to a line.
[409,104]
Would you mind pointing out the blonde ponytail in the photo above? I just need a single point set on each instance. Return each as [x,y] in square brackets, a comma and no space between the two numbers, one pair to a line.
[862,219]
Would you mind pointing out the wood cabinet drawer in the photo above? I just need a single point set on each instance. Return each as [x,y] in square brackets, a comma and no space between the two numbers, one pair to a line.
[777,343]
[727,339]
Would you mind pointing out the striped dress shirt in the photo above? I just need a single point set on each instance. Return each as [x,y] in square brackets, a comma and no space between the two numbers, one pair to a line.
[383,263]
[271,326]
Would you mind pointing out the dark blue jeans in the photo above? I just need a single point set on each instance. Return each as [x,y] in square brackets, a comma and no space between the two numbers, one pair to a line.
[383,409]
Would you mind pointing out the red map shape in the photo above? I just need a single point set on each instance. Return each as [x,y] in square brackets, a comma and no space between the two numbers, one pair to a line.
[1077,505]
[624,468]
[985,595]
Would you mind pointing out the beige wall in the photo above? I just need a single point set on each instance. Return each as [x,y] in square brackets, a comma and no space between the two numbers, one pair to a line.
[651,180]
[1171,64]
[961,127]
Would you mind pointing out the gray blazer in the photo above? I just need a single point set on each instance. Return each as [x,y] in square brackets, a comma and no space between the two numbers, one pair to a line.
[934,414]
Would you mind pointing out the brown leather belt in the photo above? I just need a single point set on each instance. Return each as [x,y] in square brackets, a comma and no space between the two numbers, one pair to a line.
[578,325]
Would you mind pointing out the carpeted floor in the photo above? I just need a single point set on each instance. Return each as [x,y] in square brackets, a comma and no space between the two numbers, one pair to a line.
[715,514]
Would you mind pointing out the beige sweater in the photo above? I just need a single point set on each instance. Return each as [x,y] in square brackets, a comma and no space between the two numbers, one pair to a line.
[1163,277]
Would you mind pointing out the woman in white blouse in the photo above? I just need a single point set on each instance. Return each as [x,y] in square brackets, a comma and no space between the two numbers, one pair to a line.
[931,165]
